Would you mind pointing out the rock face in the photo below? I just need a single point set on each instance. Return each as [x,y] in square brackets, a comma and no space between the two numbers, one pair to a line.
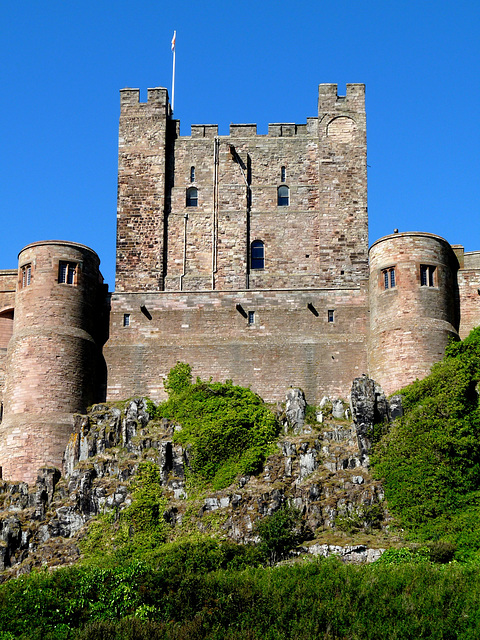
[321,469]
[295,407]
[369,407]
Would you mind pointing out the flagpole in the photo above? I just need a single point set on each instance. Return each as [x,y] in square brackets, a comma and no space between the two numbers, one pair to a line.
[173,72]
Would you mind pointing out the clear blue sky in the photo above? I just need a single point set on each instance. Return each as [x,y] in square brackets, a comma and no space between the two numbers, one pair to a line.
[63,62]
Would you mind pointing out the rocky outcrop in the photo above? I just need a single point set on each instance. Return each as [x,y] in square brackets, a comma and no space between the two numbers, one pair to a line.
[320,468]
[370,407]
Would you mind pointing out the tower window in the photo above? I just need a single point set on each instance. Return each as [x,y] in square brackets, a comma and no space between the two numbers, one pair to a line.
[283,174]
[427,275]
[283,196]
[192,197]
[257,256]
[67,272]
[389,281]
[25,275]
[331,315]
[192,174]
[251,317]
[126,319]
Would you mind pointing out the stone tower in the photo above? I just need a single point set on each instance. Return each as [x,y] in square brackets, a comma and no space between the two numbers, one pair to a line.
[54,365]
[243,254]
[413,306]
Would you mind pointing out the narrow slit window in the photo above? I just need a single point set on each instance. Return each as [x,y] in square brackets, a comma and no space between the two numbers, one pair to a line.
[192,197]
[126,319]
[67,272]
[26,276]
[427,275]
[331,315]
[251,317]
[192,174]
[283,196]
[257,255]
[283,174]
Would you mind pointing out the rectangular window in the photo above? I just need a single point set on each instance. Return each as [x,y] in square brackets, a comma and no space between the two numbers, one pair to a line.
[126,319]
[330,315]
[26,276]
[67,272]
[389,281]
[251,317]
[427,275]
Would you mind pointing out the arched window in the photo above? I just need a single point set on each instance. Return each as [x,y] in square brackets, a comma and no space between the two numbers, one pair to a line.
[192,174]
[257,255]
[283,199]
[192,197]
[283,175]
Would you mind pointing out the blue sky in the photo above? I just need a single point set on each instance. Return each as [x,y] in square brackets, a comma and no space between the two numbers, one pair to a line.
[63,63]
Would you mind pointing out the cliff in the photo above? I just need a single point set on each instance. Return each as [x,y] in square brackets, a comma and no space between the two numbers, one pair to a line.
[319,466]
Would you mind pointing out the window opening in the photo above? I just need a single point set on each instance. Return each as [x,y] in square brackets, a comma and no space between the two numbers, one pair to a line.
[126,319]
[251,317]
[427,275]
[26,275]
[389,280]
[192,197]
[283,174]
[67,272]
[330,315]
[192,174]
[257,255]
[283,196]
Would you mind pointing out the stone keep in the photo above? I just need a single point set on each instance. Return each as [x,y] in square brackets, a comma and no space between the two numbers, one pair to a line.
[217,268]
[245,255]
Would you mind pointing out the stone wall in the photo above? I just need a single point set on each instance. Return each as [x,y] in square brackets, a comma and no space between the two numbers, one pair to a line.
[319,239]
[54,366]
[289,343]
[411,321]
[8,284]
[469,290]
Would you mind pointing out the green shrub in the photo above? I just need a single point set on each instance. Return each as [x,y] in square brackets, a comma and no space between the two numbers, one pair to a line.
[279,533]
[229,428]
[429,461]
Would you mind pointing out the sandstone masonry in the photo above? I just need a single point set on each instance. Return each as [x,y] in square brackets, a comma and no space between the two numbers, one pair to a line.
[245,255]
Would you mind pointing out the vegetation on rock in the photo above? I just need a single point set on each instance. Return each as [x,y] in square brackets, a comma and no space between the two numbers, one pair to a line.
[228,428]
[429,461]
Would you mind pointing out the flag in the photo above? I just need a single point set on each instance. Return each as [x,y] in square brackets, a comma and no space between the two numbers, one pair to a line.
[173,40]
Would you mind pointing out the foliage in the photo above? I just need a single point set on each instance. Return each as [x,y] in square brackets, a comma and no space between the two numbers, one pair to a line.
[429,461]
[363,518]
[319,599]
[228,428]
[140,527]
[279,533]
[179,379]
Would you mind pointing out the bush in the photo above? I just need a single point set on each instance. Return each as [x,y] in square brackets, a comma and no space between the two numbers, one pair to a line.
[279,533]
[429,461]
[229,428]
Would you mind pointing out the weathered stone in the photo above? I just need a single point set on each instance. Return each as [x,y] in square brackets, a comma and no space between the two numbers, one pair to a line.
[338,410]
[295,410]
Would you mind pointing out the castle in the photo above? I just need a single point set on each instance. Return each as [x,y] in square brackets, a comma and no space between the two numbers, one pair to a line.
[245,255]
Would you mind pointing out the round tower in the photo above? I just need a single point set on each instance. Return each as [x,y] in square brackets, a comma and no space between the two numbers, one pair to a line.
[413,306]
[53,359]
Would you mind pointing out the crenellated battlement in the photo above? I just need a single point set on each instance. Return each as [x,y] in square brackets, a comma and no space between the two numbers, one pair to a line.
[157,97]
